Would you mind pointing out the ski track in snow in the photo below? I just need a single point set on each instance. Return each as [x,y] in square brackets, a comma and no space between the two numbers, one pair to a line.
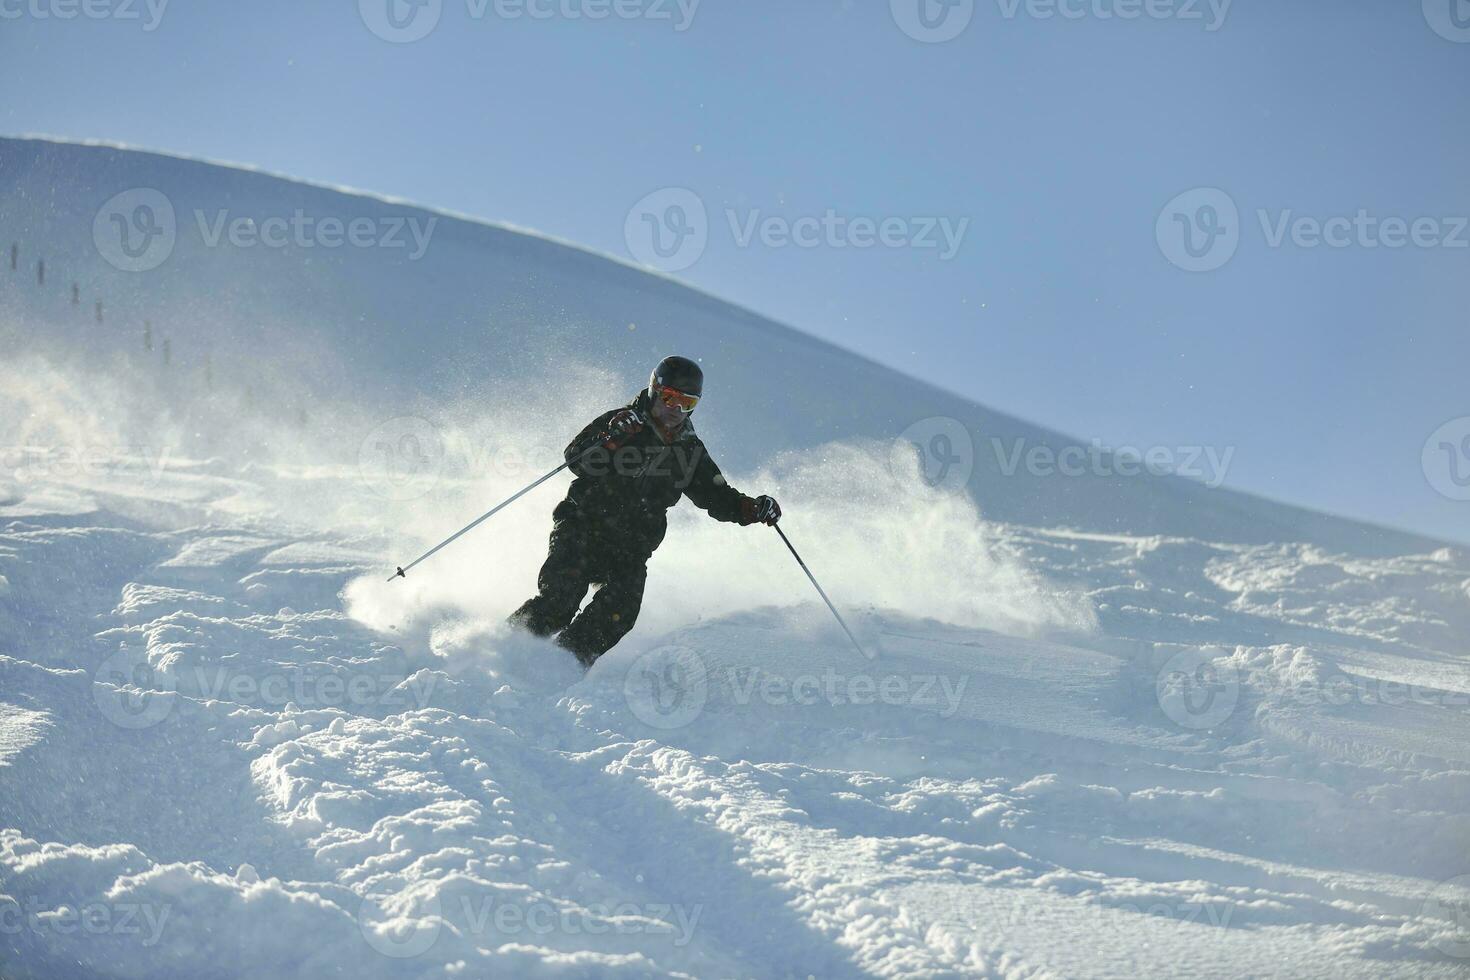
[208,769]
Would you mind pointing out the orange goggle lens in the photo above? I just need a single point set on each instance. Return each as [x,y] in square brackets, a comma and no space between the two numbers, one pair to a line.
[674,398]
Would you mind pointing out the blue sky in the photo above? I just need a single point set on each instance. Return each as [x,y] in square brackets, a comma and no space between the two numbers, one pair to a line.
[1055,143]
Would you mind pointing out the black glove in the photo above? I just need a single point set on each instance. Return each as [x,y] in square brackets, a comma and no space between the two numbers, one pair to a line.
[621,427]
[761,510]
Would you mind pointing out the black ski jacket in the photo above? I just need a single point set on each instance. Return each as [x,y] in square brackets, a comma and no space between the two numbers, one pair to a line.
[622,496]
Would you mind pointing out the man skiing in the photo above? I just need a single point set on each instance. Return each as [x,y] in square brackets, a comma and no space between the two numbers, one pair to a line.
[631,465]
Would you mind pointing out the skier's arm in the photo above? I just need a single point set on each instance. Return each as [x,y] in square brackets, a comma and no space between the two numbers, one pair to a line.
[709,492]
[592,435]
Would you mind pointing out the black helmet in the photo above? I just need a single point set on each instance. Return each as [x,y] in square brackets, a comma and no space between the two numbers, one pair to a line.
[679,373]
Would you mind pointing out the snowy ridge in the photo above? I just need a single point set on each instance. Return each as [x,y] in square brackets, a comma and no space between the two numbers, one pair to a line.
[1111,743]
[351,337]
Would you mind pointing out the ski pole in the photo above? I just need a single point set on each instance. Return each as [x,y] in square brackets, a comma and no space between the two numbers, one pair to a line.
[813,579]
[403,569]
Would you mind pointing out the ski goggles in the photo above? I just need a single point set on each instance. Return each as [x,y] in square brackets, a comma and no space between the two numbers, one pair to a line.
[674,398]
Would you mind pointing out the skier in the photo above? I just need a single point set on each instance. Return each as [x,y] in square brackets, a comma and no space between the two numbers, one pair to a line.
[631,465]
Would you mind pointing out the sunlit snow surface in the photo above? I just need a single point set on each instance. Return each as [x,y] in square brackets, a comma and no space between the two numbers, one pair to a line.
[1138,783]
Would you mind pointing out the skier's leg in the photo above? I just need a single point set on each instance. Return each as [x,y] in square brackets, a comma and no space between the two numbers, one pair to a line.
[609,616]
[561,584]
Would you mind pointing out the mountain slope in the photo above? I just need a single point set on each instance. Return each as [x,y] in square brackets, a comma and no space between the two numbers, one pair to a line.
[485,306]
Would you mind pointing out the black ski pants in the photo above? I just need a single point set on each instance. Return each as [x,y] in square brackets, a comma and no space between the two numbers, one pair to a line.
[581,557]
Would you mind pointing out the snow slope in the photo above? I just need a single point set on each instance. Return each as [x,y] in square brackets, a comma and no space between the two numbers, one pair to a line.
[1109,727]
